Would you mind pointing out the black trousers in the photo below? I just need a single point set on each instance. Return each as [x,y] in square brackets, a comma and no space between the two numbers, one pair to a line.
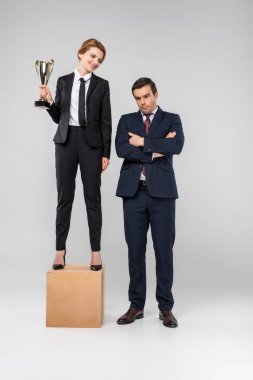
[68,155]
[141,211]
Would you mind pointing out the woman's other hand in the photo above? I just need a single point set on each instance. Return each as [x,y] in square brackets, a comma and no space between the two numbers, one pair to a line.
[105,163]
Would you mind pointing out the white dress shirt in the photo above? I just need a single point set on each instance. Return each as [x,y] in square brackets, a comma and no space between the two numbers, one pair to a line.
[73,113]
[142,177]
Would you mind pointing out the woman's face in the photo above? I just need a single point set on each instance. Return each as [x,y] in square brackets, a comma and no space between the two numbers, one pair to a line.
[91,59]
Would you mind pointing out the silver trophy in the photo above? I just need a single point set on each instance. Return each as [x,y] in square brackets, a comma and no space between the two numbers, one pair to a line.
[44,70]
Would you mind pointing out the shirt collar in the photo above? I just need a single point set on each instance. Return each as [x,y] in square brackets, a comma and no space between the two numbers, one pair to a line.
[85,77]
[152,113]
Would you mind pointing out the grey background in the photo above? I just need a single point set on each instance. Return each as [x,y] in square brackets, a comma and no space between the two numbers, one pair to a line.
[199,53]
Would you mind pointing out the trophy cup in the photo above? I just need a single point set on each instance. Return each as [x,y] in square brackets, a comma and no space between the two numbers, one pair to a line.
[44,70]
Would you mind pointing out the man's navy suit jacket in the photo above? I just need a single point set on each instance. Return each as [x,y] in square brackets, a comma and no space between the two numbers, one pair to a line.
[159,172]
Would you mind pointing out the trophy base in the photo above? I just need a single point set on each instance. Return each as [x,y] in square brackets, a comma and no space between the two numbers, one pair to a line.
[41,103]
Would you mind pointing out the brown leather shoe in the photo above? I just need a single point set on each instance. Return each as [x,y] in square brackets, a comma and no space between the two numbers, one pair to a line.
[168,318]
[131,315]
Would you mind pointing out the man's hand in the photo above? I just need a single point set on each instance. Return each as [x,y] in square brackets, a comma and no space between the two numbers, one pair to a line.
[105,163]
[136,140]
[158,155]
[170,135]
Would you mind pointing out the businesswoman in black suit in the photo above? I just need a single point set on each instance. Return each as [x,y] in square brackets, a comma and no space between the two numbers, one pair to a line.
[82,111]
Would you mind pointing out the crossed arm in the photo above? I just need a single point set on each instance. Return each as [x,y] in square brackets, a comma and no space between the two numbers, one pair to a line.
[138,141]
[144,149]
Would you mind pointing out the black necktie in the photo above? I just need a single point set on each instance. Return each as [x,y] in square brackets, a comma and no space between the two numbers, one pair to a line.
[81,104]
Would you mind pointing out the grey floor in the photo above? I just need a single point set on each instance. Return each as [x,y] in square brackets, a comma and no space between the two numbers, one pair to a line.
[214,340]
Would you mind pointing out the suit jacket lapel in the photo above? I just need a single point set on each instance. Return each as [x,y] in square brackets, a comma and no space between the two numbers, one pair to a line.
[68,89]
[141,124]
[93,82]
[156,120]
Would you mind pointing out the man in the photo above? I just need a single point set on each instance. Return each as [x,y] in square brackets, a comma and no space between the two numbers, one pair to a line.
[147,140]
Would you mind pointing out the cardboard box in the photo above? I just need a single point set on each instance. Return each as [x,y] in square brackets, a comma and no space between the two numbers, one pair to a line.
[75,297]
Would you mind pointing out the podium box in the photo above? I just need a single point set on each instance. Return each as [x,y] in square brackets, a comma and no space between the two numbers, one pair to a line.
[75,297]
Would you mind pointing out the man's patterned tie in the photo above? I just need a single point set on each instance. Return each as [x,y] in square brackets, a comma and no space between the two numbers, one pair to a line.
[147,123]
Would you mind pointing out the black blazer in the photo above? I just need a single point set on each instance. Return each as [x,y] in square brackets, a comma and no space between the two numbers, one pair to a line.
[99,125]
[159,172]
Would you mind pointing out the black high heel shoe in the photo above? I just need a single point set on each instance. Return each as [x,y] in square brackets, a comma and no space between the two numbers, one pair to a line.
[59,266]
[96,267]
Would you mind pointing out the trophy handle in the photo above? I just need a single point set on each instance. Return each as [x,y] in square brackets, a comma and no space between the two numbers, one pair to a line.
[37,67]
[50,70]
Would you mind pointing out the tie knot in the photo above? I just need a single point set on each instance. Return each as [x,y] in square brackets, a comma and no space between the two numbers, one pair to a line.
[148,114]
[82,81]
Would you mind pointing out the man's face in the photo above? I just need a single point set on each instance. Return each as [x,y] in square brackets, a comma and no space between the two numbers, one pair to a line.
[145,99]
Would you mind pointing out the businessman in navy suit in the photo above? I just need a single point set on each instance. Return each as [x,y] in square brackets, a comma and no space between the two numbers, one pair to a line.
[147,141]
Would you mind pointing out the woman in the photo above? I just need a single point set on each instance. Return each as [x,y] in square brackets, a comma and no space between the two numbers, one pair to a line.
[83,113]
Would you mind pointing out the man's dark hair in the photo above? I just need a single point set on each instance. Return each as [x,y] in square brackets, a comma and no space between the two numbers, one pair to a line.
[141,82]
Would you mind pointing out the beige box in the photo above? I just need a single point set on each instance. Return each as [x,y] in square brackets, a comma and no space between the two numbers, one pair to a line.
[75,297]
